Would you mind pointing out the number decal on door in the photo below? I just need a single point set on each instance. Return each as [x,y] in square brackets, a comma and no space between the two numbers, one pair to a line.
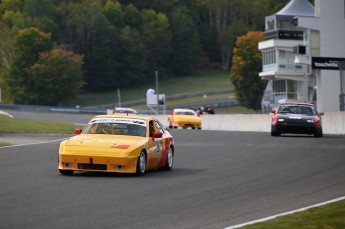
[158,147]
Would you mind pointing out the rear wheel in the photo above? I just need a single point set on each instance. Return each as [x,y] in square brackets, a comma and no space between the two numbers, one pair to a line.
[66,172]
[170,160]
[141,164]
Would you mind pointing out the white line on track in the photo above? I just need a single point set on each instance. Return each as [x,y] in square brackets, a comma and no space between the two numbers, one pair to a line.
[35,143]
[286,213]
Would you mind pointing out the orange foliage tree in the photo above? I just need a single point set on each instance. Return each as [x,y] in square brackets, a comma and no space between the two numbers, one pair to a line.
[246,65]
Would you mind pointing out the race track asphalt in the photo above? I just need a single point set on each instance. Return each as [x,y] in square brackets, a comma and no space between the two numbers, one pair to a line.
[219,179]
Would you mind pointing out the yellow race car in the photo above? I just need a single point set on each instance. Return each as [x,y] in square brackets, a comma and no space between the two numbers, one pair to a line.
[119,144]
[184,118]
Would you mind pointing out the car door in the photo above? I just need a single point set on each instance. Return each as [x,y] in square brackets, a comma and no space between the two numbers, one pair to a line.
[155,146]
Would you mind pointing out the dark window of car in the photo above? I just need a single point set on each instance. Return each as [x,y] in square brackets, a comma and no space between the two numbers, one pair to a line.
[184,113]
[151,129]
[297,109]
[115,129]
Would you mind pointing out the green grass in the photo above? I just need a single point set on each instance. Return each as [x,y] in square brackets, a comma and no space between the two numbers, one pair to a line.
[331,216]
[5,144]
[202,82]
[19,125]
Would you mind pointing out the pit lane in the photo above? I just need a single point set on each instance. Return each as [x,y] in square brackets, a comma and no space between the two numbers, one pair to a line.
[219,179]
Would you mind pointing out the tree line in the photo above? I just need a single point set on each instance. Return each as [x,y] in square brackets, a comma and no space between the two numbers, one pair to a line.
[52,49]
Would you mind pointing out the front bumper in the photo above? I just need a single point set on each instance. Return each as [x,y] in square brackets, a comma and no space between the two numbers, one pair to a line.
[98,163]
[295,129]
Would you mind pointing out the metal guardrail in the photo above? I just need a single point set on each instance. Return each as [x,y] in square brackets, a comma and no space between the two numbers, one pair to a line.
[53,109]
[170,97]
[103,109]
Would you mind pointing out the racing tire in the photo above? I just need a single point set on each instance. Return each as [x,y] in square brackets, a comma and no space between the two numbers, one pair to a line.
[170,160]
[141,164]
[275,134]
[318,134]
[66,172]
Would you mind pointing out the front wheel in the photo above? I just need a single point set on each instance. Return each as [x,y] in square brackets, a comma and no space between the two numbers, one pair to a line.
[274,133]
[170,160]
[141,164]
[318,134]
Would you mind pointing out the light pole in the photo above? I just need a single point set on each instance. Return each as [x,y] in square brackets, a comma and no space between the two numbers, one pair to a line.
[341,65]
[157,92]
[118,97]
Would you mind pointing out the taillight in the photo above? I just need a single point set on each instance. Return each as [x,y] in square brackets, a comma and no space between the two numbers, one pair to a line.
[317,121]
[274,119]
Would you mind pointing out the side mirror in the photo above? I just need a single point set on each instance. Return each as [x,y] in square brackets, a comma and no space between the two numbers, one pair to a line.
[157,136]
[273,111]
[77,131]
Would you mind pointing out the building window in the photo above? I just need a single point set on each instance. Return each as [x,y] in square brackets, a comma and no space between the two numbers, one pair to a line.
[314,43]
[286,90]
[269,60]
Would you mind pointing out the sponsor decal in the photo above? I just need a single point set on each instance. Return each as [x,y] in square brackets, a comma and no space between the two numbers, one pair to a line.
[120,147]
[295,117]
[119,120]
[326,63]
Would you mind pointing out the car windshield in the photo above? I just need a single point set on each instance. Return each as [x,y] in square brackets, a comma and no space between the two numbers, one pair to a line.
[125,111]
[184,113]
[297,109]
[116,126]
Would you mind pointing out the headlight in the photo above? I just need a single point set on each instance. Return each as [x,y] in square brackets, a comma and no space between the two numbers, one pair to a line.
[119,167]
[66,164]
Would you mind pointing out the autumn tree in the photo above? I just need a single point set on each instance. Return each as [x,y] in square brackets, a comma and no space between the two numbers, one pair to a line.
[57,77]
[245,70]
[27,47]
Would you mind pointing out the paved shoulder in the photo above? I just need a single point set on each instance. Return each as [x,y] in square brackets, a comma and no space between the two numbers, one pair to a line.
[27,138]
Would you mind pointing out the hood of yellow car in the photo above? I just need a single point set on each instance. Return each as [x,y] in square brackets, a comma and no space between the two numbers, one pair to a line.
[102,143]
